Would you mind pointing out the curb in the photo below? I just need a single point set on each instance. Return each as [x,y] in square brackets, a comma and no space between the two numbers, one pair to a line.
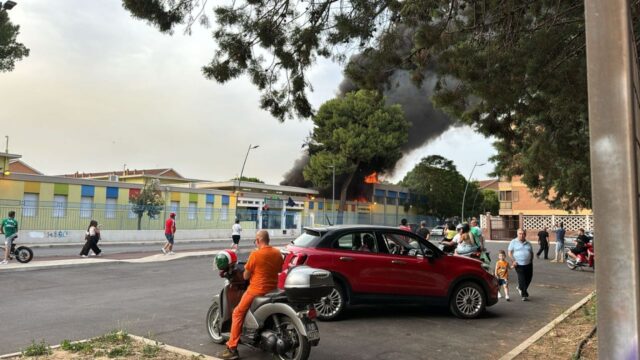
[540,333]
[141,339]
[174,349]
[134,243]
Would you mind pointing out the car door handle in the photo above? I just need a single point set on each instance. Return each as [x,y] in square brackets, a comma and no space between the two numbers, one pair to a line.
[398,262]
[346,258]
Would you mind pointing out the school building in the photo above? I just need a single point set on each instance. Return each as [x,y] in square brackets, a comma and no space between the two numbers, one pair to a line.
[58,206]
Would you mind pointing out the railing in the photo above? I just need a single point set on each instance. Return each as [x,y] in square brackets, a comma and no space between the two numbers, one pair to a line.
[76,216]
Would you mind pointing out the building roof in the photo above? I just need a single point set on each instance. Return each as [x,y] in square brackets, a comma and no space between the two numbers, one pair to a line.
[17,166]
[490,184]
[167,173]
[10,156]
[233,184]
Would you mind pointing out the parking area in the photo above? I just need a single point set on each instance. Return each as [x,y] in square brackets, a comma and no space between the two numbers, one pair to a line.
[169,300]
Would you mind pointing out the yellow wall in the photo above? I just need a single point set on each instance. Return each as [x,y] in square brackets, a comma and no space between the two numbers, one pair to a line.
[46,192]
[123,196]
[75,192]
[100,195]
[11,190]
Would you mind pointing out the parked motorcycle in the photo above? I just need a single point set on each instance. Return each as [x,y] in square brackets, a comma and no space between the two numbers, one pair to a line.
[22,253]
[281,322]
[583,260]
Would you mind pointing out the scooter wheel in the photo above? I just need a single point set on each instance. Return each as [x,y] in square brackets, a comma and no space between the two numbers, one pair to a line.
[214,322]
[300,348]
[571,265]
[23,254]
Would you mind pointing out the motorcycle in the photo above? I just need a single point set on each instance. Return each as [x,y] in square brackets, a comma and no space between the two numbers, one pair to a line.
[22,253]
[584,259]
[281,322]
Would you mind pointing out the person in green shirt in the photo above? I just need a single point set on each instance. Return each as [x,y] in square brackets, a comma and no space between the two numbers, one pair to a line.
[477,235]
[9,228]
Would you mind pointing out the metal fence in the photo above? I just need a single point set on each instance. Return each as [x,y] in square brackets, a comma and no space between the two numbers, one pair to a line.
[76,216]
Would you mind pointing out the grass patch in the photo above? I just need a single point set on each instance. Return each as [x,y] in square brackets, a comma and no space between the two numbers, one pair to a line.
[76,347]
[37,349]
[116,344]
[150,351]
[120,351]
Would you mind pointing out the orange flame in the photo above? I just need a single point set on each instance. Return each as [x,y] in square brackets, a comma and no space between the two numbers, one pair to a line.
[371,178]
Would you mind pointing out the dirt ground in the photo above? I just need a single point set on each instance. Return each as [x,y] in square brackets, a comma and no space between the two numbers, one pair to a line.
[115,345]
[562,342]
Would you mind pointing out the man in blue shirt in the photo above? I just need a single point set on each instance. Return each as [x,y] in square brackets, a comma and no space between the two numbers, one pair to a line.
[560,232]
[521,255]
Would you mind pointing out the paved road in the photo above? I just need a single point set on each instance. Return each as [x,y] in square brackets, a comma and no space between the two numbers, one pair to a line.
[168,301]
[119,251]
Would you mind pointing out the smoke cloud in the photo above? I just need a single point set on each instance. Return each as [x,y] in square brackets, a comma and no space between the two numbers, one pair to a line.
[426,122]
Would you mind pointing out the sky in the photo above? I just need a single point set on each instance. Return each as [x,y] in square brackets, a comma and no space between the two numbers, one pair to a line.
[101,91]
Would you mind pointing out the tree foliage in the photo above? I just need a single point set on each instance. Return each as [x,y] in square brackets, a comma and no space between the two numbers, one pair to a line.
[437,179]
[357,132]
[490,202]
[248,179]
[10,49]
[149,200]
[514,70]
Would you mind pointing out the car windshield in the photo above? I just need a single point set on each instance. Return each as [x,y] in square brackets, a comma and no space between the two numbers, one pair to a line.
[306,239]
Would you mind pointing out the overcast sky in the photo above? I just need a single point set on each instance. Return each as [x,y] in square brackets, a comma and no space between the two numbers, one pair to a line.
[101,90]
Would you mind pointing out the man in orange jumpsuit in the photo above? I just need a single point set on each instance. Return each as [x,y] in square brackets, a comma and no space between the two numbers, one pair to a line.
[261,270]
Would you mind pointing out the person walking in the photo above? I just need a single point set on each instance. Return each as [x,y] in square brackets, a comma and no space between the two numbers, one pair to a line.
[236,229]
[262,270]
[543,241]
[169,234]
[423,232]
[502,273]
[404,225]
[521,255]
[9,227]
[560,232]
[91,240]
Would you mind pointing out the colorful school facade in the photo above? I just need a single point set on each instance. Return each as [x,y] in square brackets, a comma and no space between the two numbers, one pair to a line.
[52,206]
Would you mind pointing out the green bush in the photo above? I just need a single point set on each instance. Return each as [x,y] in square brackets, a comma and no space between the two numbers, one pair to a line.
[83,347]
[118,351]
[150,351]
[37,349]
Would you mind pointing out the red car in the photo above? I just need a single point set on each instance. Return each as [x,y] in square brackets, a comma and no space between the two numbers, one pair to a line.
[380,264]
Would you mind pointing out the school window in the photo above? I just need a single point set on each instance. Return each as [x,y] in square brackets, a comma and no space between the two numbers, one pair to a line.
[224,212]
[30,208]
[110,209]
[59,206]
[191,212]
[175,206]
[86,204]
[208,211]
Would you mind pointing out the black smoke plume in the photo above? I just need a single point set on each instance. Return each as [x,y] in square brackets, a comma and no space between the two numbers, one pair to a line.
[427,122]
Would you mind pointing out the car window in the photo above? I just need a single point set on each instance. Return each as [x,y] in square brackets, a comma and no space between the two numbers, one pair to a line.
[357,241]
[306,239]
[398,244]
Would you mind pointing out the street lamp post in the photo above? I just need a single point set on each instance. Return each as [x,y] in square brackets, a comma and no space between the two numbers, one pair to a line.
[241,172]
[467,186]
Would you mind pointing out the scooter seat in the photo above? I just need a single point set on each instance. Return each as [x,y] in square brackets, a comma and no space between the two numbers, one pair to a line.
[272,297]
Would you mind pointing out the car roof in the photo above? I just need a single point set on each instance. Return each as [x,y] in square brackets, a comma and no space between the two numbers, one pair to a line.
[349,227]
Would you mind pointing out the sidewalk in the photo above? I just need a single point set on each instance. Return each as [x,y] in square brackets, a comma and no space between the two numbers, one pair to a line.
[125,243]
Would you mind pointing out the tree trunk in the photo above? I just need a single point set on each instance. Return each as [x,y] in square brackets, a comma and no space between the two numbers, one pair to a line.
[140,221]
[343,196]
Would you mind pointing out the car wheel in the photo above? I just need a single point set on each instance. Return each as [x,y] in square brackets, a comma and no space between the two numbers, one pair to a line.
[467,301]
[331,306]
